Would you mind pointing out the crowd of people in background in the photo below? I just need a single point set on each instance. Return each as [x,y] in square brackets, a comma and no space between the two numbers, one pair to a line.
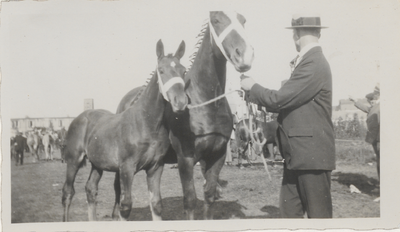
[46,142]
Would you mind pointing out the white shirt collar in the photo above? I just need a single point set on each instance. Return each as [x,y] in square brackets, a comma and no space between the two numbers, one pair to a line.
[308,48]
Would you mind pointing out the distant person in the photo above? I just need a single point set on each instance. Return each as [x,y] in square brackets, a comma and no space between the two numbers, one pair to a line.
[19,147]
[305,131]
[373,121]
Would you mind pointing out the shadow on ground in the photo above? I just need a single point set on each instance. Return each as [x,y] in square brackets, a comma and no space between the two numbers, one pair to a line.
[223,210]
[365,184]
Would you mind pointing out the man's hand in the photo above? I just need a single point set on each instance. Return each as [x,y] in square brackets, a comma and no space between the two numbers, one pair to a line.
[246,82]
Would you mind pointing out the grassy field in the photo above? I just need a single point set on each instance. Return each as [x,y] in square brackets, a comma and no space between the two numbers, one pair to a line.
[36,190]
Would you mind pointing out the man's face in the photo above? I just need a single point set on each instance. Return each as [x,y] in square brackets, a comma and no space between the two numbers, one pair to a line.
[372,102]
[296,39]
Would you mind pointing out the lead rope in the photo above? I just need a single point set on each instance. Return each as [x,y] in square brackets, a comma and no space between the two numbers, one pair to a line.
[256,141]
[214,99]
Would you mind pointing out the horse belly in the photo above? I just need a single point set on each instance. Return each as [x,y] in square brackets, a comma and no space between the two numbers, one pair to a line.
[103,157]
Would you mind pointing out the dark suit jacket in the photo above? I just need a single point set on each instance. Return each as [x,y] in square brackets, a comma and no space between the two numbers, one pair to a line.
[373,121]
[304,104]
[373,124]
[20,143]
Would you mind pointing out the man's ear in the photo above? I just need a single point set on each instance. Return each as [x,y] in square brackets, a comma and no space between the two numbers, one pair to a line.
[296,34]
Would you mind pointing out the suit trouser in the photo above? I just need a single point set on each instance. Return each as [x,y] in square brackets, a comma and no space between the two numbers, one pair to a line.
[19,157]
[377,146]
[306,191]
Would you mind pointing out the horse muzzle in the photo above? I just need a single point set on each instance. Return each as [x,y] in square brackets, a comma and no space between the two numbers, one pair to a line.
[178,101]
[242,58]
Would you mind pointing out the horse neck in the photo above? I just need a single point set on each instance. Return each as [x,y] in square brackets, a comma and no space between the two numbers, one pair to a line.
[152,101]
[209,71]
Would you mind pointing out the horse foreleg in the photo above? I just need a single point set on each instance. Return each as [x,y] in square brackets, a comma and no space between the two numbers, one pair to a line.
[68,189]
[153,183]
[91,191]
[270,147]
[211,186]
[127,172]
[185,165]
[117,190]
[51,152]
[249,156]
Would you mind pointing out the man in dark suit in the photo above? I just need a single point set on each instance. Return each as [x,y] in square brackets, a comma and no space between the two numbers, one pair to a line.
[305,132]
[373,121]
[19,146]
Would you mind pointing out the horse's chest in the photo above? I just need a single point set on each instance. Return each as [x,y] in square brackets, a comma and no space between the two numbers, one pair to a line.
[209,121]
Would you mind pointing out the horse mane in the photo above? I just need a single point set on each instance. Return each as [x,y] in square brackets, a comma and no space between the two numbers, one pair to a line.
[196,48]
[143,88]
[192,57]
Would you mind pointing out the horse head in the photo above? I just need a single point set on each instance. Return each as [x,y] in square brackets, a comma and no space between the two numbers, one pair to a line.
[227,30]
[170,74]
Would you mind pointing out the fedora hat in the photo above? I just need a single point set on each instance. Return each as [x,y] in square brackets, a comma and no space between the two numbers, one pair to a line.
[370,96]
[377,88]
[306,21]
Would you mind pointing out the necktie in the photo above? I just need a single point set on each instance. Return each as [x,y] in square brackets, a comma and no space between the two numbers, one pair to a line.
[293,63]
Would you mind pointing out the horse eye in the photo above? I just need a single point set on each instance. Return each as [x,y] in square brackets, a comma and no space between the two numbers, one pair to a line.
[215,21]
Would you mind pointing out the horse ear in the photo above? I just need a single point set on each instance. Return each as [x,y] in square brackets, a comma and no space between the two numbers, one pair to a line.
[160,49]
[181,50]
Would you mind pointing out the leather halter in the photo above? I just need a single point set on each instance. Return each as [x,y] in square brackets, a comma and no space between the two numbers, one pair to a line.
[235,25]
[164,87]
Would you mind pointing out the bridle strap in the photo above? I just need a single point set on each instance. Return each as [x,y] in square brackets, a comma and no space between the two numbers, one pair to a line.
[165,87]
[235,25]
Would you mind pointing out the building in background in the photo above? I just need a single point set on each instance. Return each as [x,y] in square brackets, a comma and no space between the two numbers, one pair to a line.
[56,123]
[346,111]
[88,104]
[27,124]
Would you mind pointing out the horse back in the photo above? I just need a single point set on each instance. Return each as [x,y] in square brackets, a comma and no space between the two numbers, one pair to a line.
[79,131]
[128,100]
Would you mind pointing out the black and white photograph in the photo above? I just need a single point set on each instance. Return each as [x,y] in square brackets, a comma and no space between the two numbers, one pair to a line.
[176,115]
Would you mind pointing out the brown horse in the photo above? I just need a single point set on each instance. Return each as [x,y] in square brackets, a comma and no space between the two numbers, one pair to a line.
[269,132]
[34,141]
[261,130]
[128,142]
[243,140]
[202,133]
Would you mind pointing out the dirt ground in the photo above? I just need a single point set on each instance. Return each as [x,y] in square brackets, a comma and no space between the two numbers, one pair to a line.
[36,190]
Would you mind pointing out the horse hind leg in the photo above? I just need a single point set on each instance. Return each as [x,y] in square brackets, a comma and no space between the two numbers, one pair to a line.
[51,152]
[73,166]
[92,190]
[47,152]
[68,189]
[36,152]
[153,183]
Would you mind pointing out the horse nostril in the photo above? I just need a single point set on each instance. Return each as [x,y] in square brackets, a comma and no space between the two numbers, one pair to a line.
[238,52]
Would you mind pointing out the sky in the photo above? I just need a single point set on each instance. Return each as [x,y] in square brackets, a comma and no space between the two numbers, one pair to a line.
[55,54]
